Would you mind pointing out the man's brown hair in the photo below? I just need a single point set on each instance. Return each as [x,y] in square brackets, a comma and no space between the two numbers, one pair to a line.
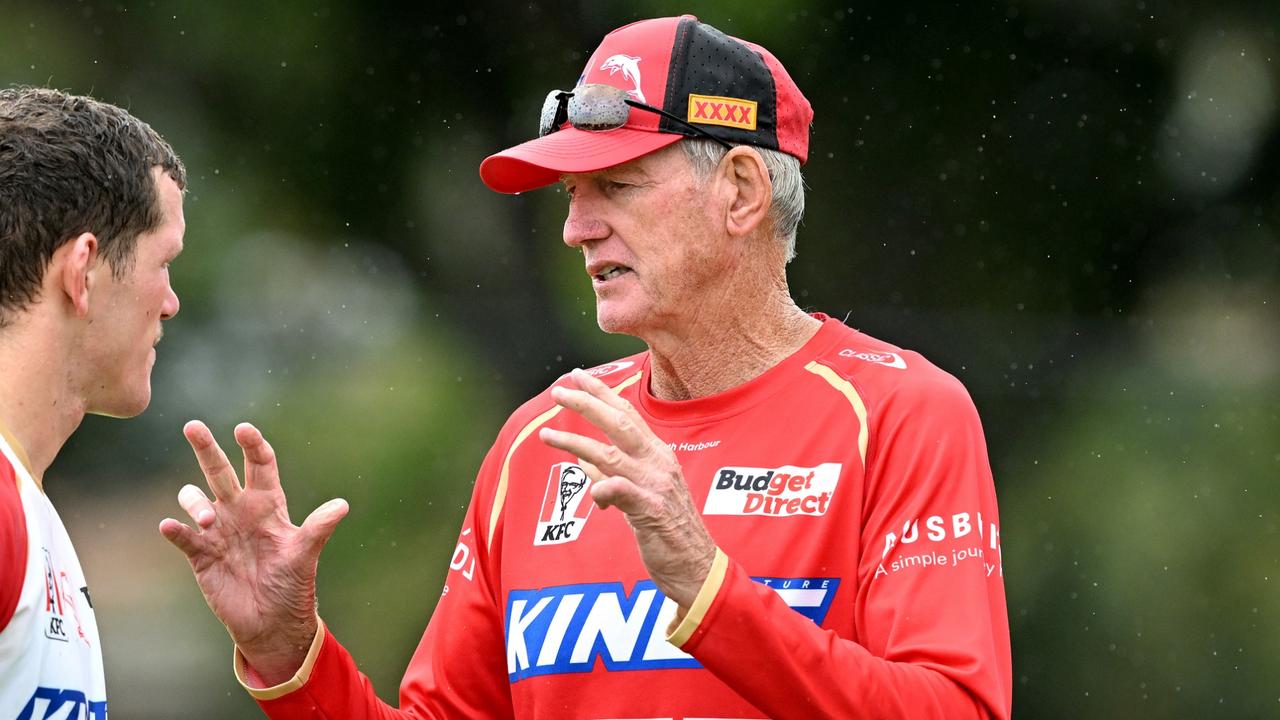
[69,165]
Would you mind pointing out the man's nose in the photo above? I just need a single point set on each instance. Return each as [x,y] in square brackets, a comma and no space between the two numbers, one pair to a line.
[583,224]
[171,304]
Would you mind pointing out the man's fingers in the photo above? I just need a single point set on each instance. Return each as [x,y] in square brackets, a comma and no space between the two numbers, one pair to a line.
[322,521]
[606,458]
[193,500]
[183,537]
[617,491]
[620,424]
[260,469]
[213,462]
[595,387]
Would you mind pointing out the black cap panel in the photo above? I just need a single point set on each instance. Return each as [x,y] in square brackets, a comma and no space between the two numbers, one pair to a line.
[706,62]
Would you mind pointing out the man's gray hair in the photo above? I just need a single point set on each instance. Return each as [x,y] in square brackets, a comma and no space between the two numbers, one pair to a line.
[784,173]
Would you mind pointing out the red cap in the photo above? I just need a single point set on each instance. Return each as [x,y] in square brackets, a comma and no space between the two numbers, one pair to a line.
[736,90]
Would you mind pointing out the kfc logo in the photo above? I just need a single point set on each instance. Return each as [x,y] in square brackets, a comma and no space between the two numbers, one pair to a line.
[566,504]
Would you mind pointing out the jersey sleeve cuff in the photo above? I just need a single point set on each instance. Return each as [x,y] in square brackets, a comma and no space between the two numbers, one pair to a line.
[686,626]
[252,683]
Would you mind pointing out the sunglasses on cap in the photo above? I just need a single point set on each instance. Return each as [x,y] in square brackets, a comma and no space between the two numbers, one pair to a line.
[599,108]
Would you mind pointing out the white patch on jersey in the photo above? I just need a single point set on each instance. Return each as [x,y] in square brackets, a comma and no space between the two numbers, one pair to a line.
[609,368]
[777,492]
[888,359]
[566,505]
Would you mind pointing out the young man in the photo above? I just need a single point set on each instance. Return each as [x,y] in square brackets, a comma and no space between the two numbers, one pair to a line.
[90,218]
[785,517]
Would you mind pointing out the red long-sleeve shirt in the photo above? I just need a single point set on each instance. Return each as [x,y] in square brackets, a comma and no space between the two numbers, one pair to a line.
[858,572]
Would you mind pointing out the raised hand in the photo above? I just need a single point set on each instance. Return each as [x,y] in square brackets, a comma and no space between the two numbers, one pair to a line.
[640,476]
[257,569]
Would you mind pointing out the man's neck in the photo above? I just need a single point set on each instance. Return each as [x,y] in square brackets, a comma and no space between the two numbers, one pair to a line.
[722,352]
[37,405]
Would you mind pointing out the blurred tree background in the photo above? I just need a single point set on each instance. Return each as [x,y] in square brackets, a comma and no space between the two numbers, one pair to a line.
[1072,206]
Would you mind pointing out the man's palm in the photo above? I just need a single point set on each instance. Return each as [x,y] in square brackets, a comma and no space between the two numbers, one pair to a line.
[256,568]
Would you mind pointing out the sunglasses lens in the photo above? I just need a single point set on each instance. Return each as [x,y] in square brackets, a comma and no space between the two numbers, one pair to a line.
[551,107]
[598,107]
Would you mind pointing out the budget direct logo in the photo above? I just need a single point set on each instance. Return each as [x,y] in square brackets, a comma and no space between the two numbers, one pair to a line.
[565,505]
[780,492]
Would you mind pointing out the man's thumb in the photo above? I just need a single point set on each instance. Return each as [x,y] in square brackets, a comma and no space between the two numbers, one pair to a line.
[322,521]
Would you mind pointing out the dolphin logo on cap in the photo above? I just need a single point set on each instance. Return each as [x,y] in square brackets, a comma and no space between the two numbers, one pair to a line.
[630,67]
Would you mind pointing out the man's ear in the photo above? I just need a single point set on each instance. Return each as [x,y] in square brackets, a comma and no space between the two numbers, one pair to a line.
[752,190]
[73,265]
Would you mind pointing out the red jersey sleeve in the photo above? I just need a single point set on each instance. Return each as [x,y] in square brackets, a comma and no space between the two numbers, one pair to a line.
[931,636]
[13,543]
[439,683]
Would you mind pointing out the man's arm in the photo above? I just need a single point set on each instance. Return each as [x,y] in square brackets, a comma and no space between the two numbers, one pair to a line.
[931,641]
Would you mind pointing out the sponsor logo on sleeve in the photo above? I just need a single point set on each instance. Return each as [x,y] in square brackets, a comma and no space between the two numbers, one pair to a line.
[566,629]
[779,492]
[725,111]
[943,540]
[888,359]
[566,505]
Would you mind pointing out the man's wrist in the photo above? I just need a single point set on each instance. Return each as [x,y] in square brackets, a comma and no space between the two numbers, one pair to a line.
[278,660]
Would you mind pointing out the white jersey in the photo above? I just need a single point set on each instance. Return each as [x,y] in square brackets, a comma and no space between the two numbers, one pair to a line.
[50,656]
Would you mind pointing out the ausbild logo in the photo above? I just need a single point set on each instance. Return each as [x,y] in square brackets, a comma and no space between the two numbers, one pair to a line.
[565,505]
[782,491]
[726,111]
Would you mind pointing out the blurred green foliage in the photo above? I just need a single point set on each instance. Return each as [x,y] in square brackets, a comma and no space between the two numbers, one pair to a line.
[1072,206]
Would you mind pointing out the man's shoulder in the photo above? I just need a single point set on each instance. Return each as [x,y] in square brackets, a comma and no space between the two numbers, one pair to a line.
[614,373]
[882,371]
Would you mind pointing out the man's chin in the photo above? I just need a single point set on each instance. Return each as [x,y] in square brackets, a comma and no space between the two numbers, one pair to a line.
[616,320]
[123,407]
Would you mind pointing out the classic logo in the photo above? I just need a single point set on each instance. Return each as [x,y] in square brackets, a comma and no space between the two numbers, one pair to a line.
[565,506]
[630,68]
[567,629]
[726,111]
[609,368]
[781,492]
[893,360]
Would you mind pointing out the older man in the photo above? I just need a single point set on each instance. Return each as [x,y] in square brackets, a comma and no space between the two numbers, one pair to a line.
[90,218]
[785,517]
